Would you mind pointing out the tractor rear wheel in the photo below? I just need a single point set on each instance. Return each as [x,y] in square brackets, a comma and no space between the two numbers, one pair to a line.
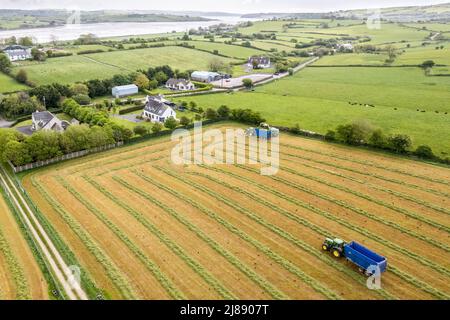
[336,253]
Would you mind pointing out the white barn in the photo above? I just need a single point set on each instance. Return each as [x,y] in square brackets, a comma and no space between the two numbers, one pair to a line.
[123,91]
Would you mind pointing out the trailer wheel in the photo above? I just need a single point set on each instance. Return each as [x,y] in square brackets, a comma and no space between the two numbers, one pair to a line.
[336,253]
[324,248]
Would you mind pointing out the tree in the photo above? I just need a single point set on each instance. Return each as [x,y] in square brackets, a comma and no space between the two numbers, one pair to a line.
[424,152]
[79,88]
[193,106]
[157,127]
[142,81]
[5,63]
[26,41]
[22,76]
[38,55]
[427,66]
[330,135]
[210,114]
[216,65]
[223,111]
[171,123]
[17,153]
[391,52]
[350,134]
[248,83]
[378,139]
[184,121]
[82,99]
[161,77]
[399,143]
[140,130]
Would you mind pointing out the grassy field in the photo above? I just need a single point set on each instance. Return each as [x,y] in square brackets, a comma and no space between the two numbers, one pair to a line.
[8,84]
[105,65]
[145,228]
[318,100]
[20,275]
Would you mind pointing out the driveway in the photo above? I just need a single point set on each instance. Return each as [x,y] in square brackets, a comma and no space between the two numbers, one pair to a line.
[237,82]
[128,117]
[25,130]
[4,123]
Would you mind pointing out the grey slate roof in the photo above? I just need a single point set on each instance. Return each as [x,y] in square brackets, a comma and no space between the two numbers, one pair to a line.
[156,106]
[260,60]
[43,117]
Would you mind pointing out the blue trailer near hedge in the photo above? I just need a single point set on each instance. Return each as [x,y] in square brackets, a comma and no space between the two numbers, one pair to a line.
[356,253]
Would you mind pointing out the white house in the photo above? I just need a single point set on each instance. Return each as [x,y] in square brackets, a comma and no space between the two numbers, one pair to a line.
[123,91]
[158,109]
[179,85]
[345,47]
[259,62]
[17,53]
[45,120]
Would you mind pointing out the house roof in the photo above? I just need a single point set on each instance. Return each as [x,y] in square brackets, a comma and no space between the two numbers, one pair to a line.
[156,105]
[260,60]
[174,82]
[126,87]
[14,47]
[42,117]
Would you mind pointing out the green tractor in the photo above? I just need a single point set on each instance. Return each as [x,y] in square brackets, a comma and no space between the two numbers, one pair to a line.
[335,246]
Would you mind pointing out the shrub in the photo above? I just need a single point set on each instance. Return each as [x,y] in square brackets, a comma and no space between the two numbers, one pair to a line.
[295,129]
[171,123]
[223,111]
[140,130]
[378,139]
[330,135]
[211,114]
[184,121]
[248,83]
[399,143]
[157,127]
[424,152]
[22,76]
[82,99]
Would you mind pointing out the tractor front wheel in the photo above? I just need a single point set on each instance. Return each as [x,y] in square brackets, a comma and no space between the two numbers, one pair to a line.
[336,253]
[324,248]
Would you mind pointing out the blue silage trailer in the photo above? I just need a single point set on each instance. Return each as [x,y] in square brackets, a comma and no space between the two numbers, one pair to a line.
[364,258]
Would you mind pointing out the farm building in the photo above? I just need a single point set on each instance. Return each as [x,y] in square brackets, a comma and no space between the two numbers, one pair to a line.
[17,53]
[158,109]
[45,120]
[123,91]
[180,85]
[259,62]
[205,76]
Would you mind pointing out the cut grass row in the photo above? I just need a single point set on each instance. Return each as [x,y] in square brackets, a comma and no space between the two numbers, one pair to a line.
[289,266]
[364,196]
[282,233]
[166,283]
[174,247]
[14,269]
[363,231]
[417,283]
[110,267]
[263,283]
[358,211]
[372,164]
[373,186]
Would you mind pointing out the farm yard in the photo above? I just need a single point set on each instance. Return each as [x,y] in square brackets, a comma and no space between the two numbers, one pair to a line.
[143,227]
[20,275]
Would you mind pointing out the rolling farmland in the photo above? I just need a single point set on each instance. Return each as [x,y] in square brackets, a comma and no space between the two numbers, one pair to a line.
[20,275]
[145,228]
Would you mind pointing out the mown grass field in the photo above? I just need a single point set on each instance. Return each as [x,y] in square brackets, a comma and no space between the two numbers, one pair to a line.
[105,65]
[20,275]
[7,84]
[145,228]
[317,98]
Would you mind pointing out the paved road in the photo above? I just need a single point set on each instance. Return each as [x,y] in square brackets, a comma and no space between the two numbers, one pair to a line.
[59,268]
[4,123]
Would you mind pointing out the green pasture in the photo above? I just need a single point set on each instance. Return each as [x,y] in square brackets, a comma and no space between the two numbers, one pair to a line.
[8,84]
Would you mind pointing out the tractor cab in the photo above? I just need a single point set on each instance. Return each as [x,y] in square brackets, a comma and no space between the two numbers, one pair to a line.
[335,246]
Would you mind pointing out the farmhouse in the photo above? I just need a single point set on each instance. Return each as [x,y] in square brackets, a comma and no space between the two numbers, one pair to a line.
[205,76]
[45,120]
[345,47]
[123,91]
[179,85]
[17,53]
[259,62]
[158,109]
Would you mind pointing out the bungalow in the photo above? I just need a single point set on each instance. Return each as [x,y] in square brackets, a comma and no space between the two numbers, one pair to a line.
[205,76]
[179,85]
[17,53]
[45,120]
[259,62]
[123,91]
[158,109]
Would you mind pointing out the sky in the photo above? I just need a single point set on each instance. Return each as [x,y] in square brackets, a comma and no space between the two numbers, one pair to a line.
[238,6]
